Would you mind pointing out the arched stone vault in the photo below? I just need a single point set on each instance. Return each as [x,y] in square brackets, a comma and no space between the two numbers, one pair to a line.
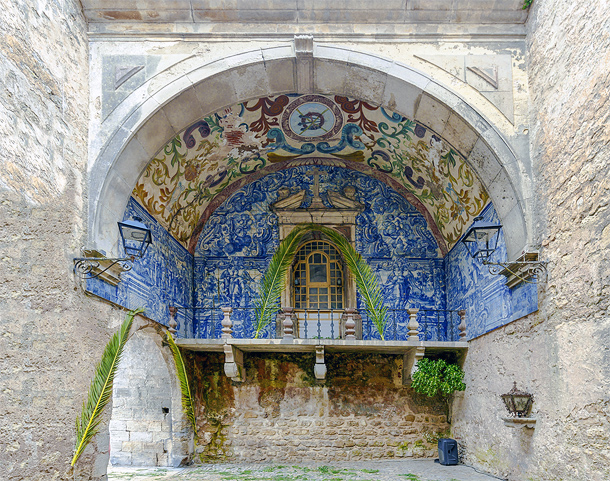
[165,106]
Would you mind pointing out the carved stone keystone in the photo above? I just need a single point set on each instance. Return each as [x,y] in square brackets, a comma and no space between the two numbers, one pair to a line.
[227,323]
[319,368]
[303,49]
[413,325]
[234,363]
[462,326]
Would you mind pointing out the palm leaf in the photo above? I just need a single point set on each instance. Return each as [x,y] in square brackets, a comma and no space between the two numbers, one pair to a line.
[366,280]
[100,391]
[187,399]
[273,282]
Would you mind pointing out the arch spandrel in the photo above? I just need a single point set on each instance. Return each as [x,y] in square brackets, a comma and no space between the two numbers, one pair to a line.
[416,86]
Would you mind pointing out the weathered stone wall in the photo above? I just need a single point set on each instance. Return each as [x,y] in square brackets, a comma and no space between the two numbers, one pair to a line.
[52,335]
[281,413]
[140,428]
[148,426]
[561,353]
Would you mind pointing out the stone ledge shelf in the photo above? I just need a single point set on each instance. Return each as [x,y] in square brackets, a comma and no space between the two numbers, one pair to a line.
[529,423]
[233,348]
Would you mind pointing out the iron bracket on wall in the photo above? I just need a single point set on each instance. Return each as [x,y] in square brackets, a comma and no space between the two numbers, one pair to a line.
[95,265]
[524,269]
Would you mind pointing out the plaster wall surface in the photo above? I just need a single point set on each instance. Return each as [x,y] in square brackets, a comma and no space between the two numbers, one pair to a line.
[561,353]
[52,335]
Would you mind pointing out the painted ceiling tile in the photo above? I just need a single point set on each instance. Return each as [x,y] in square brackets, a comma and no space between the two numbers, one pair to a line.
[247,140]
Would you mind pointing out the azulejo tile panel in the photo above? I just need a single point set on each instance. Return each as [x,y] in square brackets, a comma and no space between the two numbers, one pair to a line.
[488,302]
[163,277]
[247,139]
[242,234]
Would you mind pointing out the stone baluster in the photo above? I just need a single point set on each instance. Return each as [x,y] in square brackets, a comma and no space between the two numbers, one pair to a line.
[413,325]
[462,326]
[227,323]
[173,324]
[350,324]
[288,323]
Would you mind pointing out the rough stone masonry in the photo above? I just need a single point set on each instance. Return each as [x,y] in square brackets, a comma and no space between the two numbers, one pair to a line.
[282,413]
[51,335]
[560,353]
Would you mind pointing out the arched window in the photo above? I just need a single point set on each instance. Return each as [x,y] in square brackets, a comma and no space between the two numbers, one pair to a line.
[318,277]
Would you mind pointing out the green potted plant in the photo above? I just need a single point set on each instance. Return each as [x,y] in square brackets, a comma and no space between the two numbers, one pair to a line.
[438,378]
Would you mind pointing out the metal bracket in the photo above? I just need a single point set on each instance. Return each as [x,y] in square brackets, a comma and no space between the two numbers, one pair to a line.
[96,265]
[521,270]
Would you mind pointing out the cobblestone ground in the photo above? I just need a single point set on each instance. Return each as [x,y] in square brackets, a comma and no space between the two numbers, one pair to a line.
[414,470]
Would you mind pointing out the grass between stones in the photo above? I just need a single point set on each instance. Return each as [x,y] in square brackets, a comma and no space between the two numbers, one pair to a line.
[297,473]
[264,473]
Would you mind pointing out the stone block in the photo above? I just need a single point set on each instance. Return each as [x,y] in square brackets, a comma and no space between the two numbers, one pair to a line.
[143,459]
[401,97]
[183,110]
[117,425]
[329,76]
[281,75]
[140,436]
[366,84]
[120,458]
[119,435]
[461,136]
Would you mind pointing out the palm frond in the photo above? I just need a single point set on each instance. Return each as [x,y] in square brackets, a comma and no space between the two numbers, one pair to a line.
[366,280]
[273,282]
[100,391]
[187,398]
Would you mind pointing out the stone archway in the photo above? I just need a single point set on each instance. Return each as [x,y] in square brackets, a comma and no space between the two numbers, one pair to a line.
[135,133]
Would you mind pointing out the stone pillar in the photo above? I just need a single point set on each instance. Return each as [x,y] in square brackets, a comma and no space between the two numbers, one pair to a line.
[227,324]
[350,324]
[287,323]
[413,325]
[462,326]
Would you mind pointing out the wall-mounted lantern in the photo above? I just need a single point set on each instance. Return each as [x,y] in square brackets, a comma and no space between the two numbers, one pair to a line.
[481,241]
[519,404]
[135,238]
